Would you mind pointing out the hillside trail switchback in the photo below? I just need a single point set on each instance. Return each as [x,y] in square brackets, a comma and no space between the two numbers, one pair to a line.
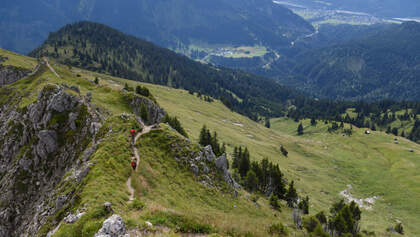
[145,130]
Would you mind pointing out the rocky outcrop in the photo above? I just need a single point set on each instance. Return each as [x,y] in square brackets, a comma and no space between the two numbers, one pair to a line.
[206,166]
[113,227]
[155,113]
[222,164]
[39,144]
[10,74]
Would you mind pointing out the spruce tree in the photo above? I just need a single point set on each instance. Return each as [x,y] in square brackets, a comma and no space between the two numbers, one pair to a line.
[144,114]
[300,129]
[251,181]
[244,164]
[313,122]
[267,123]
[291,195]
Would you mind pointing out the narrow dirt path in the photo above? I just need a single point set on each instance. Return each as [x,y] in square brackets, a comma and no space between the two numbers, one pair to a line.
[145,130]
[51,68]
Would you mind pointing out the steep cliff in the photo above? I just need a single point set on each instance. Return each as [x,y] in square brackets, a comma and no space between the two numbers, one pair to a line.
[10,74]
[38,145]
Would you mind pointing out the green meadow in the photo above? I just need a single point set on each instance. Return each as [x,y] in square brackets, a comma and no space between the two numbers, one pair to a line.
[321,163]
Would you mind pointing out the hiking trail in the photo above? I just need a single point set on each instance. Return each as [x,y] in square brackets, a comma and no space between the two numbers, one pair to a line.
[145,130]
[51,68]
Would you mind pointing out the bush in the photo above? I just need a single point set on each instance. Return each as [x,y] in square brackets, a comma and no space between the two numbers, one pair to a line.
[142,91]
[274,202]
[399,228]
[181,223]
[175,124]
[284,151]
[136,205]
[278,230]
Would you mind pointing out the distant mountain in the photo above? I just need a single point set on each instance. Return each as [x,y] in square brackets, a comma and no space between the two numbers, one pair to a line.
[169,23]
[384,64]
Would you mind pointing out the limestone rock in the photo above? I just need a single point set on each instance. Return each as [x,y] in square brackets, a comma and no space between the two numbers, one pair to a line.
[10,74]
[208,153]
[221,162]
[47,142]
[156,113]
[113,227]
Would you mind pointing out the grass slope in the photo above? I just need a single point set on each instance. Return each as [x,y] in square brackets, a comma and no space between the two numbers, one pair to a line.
[322,164]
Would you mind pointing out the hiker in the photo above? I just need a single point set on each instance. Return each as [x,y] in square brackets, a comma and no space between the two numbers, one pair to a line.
[133,134]
[133,164]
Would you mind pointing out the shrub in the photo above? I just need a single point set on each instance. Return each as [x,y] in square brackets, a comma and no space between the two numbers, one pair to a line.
[399,228]
[181,223]
[274,202]
[136,205]
[278,230]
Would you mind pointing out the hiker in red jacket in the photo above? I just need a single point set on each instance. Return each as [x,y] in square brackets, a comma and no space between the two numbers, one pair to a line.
[133,134]
[133,164]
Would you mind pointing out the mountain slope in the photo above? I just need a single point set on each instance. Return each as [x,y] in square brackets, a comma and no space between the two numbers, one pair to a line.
[169,23]
[86,162]
[100,48]
[382,65]
[321,163]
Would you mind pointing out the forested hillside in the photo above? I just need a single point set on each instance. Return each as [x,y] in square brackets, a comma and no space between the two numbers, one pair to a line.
[382,65]
[24,24]
[100,48]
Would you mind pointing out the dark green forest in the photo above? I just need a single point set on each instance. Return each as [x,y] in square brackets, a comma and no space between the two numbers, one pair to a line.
[100,48]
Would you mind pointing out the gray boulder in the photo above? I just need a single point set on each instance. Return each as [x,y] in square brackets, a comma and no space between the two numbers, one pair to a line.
[208,153]
[113,227]
[47,143]
[221,162]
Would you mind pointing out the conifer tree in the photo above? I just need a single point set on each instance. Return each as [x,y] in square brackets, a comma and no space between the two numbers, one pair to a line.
[267,123]
[144,114]
[291,195]
[300,129]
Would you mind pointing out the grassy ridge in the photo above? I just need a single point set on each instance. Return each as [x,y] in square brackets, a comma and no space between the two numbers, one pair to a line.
[322,164]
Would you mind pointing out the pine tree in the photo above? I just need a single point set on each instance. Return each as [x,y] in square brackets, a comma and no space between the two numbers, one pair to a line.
[235,158]
[304,205]
[244,164]
[204,139]
[251,181]
[313,122]
[291,195]
[96,80]
[144,114]
[267,123]
[300,129]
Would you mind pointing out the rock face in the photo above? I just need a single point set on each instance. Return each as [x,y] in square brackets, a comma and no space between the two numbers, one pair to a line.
[39,144]
[206,166]
[222,163]
[113,227]
[10,74]
[155,112]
